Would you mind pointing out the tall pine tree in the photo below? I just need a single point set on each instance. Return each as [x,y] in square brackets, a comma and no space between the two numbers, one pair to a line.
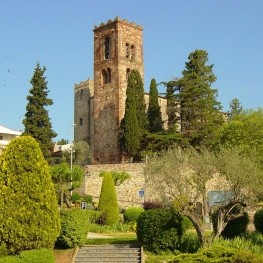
[37,122]
[154,110]
[199,109]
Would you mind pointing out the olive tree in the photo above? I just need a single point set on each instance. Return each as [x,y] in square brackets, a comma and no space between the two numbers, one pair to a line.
[183,177]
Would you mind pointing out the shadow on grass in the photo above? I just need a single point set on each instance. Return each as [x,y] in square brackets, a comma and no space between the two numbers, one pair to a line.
[122,240]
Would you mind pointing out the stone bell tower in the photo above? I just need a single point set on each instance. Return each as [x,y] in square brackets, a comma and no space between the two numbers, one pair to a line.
[118,49]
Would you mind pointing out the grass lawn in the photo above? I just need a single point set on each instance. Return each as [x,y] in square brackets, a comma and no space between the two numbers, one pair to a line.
[114,238]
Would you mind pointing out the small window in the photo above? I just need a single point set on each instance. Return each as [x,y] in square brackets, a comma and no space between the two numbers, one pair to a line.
[81,93]
[80,121]
[1,137]
[107,47]
[108,75]
[132,52]
[128,71]
[127,50]
[104,76]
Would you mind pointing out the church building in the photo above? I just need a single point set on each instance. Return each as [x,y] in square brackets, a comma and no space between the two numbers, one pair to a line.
[99,104]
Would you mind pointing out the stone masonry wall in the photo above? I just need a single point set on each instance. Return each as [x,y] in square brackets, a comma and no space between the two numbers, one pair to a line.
[127,192]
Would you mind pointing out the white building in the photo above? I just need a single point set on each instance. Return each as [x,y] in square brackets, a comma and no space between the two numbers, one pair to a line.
[6,135]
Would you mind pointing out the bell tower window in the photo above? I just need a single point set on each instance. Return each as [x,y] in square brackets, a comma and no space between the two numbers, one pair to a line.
[127,50]
[107,47]
[132,52]
[106,76]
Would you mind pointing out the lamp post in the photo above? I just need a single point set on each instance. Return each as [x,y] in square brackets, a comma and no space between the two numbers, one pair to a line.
[71,157]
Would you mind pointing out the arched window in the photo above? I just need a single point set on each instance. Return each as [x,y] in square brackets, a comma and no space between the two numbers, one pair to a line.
[107,47]
[106,76]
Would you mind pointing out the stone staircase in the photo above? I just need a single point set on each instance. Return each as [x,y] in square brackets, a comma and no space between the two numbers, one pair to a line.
[113,253]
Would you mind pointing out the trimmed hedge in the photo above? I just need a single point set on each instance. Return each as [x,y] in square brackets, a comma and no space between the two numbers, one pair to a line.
[218,254]
[108,203]
[159,229]
[132,214]
[74,228]
[29,212]
[258,220]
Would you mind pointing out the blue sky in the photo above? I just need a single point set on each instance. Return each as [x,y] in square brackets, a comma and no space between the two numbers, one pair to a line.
[58,34]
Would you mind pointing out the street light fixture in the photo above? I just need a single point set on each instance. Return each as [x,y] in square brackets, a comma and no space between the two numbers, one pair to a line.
[71,157]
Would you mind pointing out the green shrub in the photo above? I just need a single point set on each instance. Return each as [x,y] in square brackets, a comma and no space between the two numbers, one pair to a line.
[234,227]
[189,243]
[152,205]
[88,199]
[3,250]
[108,203]
[93,216]
[37,256]
[74,228]
[29,212]
[75,198]
[132,214]
[159,229]
[258,220]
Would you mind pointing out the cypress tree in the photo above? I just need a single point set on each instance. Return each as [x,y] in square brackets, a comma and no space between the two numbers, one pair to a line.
[37,122]
[134,121]
[171,105]
[154,110]
[136,84]
[199,109]
[108,203]
[29,215]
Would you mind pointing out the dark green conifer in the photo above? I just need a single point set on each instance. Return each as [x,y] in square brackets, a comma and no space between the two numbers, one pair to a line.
[134,121]
[154,110]
[37,122]
[199,109]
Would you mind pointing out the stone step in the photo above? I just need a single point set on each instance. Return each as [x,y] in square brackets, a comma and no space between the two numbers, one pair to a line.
[114,253]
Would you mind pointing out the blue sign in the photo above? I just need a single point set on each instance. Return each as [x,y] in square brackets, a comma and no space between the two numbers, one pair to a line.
[141,193]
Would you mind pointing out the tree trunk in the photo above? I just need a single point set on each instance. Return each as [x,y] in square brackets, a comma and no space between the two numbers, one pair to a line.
[198,225]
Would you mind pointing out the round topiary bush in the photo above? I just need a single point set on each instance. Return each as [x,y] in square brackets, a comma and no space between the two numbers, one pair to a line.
[159,229]
[234,227]
[132,214]
[108,203]
[258,220]
[29,211]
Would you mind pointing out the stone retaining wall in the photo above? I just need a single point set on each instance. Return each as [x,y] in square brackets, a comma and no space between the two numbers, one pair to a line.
[127,192]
